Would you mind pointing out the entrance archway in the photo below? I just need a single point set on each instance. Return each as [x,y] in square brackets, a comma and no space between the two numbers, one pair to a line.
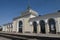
[52,25]
[42,26]
[35,27]
[20,26]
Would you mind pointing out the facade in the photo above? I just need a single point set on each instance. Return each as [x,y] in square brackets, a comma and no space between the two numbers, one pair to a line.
[30,22]
[49,23]
[21,23]
[7,27]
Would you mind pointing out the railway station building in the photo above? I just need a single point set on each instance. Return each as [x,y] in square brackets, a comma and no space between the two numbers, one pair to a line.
[31,22]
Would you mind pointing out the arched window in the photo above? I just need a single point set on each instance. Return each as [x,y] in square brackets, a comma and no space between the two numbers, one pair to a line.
[20,26]
[52,25]
[35,27]
[42,26]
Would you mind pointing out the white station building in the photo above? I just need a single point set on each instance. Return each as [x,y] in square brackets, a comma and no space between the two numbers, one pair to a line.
[30,22]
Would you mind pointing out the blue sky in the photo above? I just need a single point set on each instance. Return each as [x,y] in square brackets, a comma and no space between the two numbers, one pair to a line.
[13,8]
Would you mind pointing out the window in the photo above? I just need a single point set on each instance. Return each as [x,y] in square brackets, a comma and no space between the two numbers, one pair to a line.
[35,27]
[42,26]
[52,25]
[20,24]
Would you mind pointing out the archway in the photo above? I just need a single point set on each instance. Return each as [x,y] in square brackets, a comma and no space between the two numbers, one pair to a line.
[35,27]
[52,25]
[20,26]
[42,26]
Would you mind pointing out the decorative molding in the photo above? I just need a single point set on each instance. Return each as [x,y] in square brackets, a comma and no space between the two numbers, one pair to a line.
[37,22]
[30,23]
[46,21]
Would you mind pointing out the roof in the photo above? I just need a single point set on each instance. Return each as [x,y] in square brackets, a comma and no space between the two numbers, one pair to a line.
[7,24]
[56,14]
[27,12]
[19,17]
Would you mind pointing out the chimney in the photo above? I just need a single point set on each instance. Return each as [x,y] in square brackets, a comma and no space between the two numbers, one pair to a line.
[58,10]
[39,15]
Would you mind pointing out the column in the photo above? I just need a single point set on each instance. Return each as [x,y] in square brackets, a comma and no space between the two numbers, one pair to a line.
[47,28]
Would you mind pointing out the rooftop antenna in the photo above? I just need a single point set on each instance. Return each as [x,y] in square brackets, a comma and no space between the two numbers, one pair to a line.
[28,6]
